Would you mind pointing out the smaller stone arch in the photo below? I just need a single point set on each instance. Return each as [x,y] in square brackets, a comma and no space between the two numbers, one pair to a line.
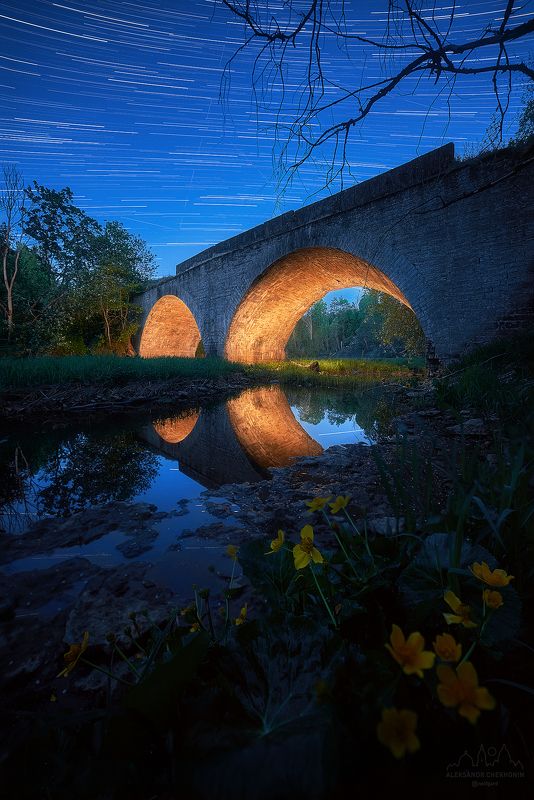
[170,330]
[175,429]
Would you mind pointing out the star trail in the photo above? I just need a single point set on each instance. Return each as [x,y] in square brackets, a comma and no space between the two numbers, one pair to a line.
[121,101]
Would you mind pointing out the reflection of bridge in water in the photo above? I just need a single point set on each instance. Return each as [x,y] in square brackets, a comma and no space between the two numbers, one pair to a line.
[236,442]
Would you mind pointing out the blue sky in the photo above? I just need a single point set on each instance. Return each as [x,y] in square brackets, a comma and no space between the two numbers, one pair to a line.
[121,102]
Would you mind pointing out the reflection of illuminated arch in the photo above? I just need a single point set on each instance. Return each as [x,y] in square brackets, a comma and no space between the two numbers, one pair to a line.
[170,330]
[176,429]
[267,429]
[275,302]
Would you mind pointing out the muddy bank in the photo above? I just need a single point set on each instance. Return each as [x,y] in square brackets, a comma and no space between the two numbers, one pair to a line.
[55,401]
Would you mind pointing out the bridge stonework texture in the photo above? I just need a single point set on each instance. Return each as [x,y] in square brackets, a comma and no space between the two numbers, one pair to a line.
[452,239]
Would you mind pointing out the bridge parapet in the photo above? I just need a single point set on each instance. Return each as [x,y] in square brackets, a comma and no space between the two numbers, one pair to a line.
[412,173]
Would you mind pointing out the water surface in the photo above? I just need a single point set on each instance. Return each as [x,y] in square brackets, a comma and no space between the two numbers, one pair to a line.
[169,460]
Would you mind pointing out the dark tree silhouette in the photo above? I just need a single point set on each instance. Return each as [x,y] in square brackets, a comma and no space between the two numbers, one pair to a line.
[412,28]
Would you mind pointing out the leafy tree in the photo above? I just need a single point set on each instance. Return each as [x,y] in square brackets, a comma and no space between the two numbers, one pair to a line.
[378,326]
[104,313]
[64,236]
[399,324]
[74,278]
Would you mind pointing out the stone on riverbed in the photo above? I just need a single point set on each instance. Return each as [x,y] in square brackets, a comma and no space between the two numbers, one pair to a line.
[103,606]
[83,527]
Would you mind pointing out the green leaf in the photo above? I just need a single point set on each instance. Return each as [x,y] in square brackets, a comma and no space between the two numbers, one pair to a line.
[425,580]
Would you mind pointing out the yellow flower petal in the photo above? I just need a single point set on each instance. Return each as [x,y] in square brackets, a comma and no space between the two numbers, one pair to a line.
[492,598]
[307,533]
[426,659]
[340,502]
[460,690]
[484,699]
[452,600]
[396,730]
[318,503]
[467,674]
[446,647]
[446,675]
[496,577]
[302,558]
[231,551]
[415,641]
[446,696]
[396,638]
[469,711]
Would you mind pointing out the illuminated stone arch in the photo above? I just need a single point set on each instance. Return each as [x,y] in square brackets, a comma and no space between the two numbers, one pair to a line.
[170,330]
[176,429]
[277,299]
[267,430]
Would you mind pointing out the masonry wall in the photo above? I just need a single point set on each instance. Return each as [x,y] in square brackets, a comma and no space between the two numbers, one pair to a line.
[455,238]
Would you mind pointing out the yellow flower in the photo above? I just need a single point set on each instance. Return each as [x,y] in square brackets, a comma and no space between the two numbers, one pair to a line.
[73,655]
[447,648]
[462,613]
[492,599]
[461,689]
[340,502]
[277,544]
[242,615]
[194,627]
[231,551]
[410,653]
[305,552]
[497,577]
[397,731]
[318,503]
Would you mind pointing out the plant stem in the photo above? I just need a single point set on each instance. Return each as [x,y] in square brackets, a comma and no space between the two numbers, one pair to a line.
[106,672]
[334,621]
[126,659]
[364,539]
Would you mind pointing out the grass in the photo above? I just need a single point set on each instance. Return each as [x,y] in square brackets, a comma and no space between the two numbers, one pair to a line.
[497,378]
[16,373]
[340,372]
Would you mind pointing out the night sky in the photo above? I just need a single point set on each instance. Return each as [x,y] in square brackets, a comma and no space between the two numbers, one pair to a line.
[120,101]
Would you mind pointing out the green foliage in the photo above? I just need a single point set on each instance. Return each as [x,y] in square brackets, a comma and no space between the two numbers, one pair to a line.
[46,370]
[340,372]
[75,280]
[497,378]
[378,326]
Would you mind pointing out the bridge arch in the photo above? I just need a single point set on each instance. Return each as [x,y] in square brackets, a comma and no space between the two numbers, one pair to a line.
[170,330]
[174,430]
[277,299]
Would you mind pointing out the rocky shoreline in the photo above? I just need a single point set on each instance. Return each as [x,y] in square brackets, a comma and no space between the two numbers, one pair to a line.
[55,401]
[77,594]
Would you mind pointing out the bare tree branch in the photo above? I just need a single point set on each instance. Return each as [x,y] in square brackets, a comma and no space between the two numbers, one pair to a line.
[12,199]
[410,28]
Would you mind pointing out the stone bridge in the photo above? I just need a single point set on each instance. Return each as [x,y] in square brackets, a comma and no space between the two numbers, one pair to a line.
[450,239]
[236,442]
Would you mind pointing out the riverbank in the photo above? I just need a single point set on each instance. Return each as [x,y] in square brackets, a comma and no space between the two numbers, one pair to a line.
[53,386]
[448,486]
